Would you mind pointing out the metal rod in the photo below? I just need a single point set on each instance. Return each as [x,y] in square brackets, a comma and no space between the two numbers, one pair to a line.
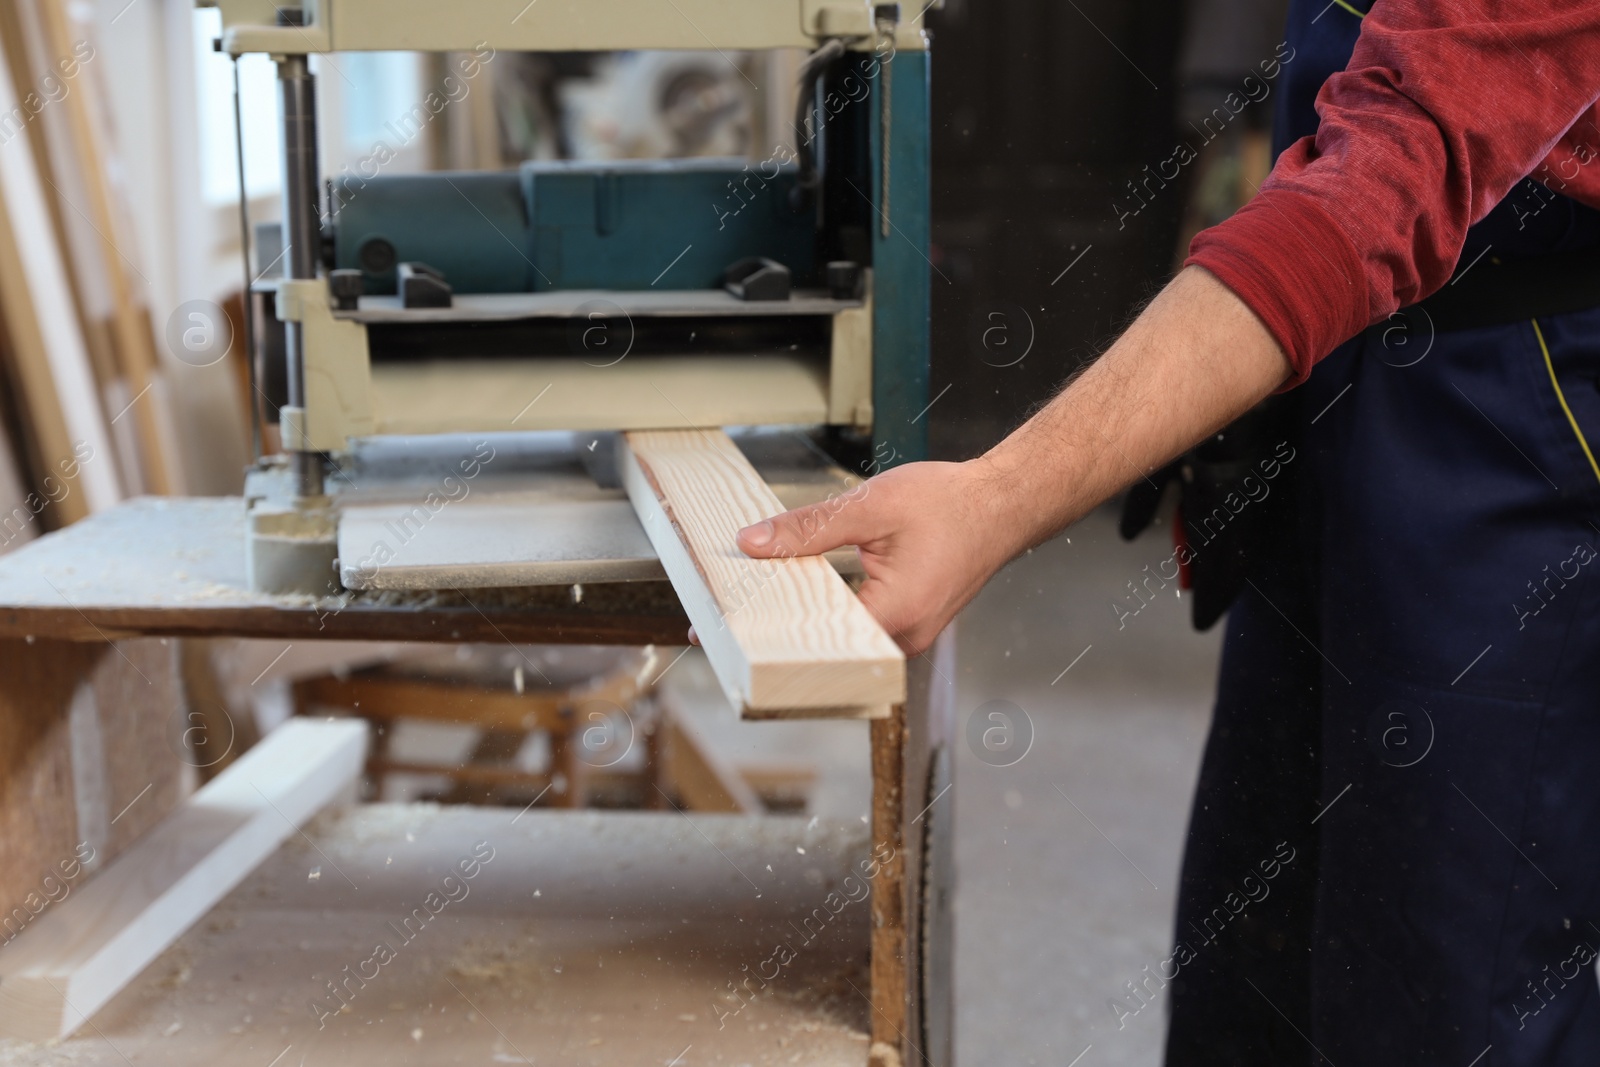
[297,97]
[886,116]
[244,253]
[886,29]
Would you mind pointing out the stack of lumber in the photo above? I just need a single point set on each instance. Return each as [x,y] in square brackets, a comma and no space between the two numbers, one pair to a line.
[83,423]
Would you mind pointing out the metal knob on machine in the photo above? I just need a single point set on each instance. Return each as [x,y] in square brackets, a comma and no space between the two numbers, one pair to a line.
[346,288]
[845,279]
[421,286]
[757,278]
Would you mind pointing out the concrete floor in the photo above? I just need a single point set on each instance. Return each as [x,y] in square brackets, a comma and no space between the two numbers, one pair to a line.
[1068,858]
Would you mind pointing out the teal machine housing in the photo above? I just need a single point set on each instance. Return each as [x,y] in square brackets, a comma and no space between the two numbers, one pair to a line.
[569,225]
[611,226]
[615,226]
[902,261]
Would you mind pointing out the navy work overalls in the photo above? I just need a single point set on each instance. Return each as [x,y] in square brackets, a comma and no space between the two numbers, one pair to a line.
[1409,704]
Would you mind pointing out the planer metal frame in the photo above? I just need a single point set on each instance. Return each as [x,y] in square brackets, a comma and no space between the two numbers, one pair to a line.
[866,384]
[863,391]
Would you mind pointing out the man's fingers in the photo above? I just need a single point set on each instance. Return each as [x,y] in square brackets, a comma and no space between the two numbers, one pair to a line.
[808,531]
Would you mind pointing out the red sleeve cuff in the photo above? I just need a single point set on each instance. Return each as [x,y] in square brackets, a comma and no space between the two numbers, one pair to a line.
[1286,258]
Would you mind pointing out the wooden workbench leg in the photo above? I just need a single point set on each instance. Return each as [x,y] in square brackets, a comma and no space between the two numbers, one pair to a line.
[376,774]
[656,782]
[911,959]
[890,988]
[88,759]
[566,762]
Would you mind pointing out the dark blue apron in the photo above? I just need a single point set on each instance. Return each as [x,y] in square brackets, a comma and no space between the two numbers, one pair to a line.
[1410,697]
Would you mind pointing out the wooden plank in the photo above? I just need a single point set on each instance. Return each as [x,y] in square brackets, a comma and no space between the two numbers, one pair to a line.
[779,781]
[480,774]
[41,317]
[31,61]
[703,780]
[42,424]
[76,957]
[783,636]
[17,525]
[391,697]
[130,322]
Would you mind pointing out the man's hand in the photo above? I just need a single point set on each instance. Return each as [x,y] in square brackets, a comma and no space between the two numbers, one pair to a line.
[931,534]
[924,538]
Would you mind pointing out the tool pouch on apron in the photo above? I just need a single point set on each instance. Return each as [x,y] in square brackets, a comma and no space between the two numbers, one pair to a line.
[1234,492]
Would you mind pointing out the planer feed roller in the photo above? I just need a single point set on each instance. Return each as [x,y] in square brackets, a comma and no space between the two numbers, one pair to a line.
[788,289]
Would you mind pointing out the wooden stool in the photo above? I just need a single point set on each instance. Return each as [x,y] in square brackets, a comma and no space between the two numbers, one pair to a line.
[590,703]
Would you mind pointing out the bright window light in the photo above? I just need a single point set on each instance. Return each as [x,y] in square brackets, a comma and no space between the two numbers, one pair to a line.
[386,81]
[263,159]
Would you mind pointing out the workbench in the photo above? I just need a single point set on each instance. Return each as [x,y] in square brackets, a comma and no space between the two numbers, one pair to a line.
[596,938]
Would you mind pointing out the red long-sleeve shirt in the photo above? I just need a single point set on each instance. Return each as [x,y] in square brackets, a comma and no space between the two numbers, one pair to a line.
[1444,107]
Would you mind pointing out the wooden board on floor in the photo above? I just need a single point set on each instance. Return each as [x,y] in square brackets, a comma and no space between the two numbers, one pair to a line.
[784,636]
[66,965]
[704,780]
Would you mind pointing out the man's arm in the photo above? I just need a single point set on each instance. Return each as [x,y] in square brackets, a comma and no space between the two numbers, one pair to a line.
[931,534]
[1444,106]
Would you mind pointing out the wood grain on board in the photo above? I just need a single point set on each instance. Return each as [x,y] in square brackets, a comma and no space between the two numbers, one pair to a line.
[783,635]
